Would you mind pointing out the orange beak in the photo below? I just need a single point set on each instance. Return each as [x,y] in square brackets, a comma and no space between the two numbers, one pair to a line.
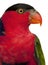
[35,18]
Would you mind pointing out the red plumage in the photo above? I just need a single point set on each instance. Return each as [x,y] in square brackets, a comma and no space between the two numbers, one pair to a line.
[18,45]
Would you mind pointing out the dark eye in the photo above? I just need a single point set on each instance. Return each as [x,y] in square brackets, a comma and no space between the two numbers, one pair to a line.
[21,11]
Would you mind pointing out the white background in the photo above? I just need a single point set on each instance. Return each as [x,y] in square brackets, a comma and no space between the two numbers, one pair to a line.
[41,32]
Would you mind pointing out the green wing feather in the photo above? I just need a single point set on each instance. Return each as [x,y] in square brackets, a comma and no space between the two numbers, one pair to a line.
[38,52]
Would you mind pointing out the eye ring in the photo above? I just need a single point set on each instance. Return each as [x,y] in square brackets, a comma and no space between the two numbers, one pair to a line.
[21,11]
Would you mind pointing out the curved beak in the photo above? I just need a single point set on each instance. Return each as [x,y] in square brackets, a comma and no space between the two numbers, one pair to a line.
[35,18]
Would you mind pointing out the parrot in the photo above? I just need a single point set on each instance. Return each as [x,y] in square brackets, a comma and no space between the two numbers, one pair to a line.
[19,46]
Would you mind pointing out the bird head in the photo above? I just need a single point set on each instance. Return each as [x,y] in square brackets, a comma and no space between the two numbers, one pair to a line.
[21,14]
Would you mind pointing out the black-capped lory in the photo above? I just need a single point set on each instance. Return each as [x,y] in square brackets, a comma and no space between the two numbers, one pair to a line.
[18,46]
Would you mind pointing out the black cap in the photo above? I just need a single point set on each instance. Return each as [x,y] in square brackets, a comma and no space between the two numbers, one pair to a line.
[20,5]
